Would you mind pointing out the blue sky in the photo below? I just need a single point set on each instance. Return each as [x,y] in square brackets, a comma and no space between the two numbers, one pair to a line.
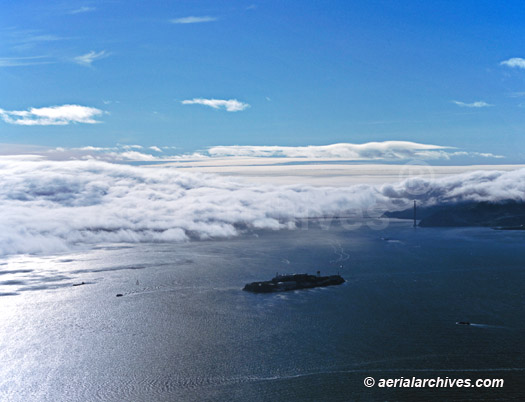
[303,73]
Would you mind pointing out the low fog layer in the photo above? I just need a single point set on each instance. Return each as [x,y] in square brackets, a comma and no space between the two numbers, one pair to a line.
[53,206]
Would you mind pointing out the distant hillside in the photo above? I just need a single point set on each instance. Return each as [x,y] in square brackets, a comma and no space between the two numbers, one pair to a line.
[506,215]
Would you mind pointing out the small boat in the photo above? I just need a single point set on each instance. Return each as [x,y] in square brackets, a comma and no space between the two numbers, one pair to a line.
[463,323]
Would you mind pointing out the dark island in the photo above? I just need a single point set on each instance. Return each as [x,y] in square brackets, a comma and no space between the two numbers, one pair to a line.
[282,283]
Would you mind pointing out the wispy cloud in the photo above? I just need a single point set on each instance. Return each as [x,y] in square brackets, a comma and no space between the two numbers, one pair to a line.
[237,158]
[42,38]
[391,151]
[88,58]
[517,94]
[52,116]
[230,105]
[118,153]
[514,62]
[193,19]
[386,150]
[477,104]
[82,10]
[24,40]
[24,61]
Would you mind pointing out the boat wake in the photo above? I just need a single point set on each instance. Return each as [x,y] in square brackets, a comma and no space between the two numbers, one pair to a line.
[473,324]
[487,326]
[342,256]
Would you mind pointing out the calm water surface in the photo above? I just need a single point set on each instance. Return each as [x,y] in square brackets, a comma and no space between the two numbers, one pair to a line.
[184,331]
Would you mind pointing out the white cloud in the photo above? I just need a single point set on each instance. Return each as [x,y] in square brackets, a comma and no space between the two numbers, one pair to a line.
[473,104]
[514,62]
[53,115]
[118,153]
[130,156]
[487,155]
[24,41]
[517,94]
[82,10]
[246,155]
[193,20]
[55,206]
[347,151]
[34,37]
[230,105]
[88,58]
[477,186]
[22,157]
[24,61]
[88,148]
